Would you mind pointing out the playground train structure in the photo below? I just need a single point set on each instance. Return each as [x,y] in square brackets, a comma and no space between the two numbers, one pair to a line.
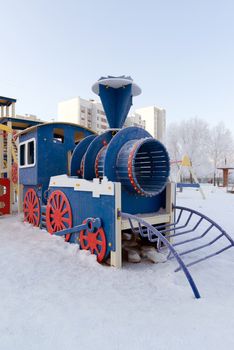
[91,189]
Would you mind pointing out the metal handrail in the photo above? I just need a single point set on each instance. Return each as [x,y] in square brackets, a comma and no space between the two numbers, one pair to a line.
[152,231]
[160,235]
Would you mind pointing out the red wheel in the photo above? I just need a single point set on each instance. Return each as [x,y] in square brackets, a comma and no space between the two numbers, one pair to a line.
[31,208]
[94,241]
[58,213]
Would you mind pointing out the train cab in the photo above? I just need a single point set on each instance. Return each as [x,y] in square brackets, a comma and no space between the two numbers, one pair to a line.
[44,151]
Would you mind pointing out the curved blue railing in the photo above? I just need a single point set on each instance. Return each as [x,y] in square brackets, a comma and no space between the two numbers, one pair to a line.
[162,234]
[153,235]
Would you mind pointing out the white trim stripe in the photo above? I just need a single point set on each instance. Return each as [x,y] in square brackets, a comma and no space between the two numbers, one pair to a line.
[96,186]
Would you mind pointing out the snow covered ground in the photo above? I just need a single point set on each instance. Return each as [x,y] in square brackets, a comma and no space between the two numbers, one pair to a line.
[53,296]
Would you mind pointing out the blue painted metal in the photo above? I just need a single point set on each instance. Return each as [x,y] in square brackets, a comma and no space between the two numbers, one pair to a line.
[29,176]
[143,166]
[78,154]
[84,205]
[148,231]
[115,145]
[92,152]
[132,202]
[116,96]
[220,232]
[117,103]
[91,224]
[100,161]
[194,185]
[163,233]
[51,154]
[176,229]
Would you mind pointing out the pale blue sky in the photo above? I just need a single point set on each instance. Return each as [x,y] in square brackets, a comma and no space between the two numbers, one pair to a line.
[181,53]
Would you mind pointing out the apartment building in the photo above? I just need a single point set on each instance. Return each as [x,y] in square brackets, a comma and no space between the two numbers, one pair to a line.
[135,120]
[90,113]
[155,121]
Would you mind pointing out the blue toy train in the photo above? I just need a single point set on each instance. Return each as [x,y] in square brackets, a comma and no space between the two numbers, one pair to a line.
[90,188]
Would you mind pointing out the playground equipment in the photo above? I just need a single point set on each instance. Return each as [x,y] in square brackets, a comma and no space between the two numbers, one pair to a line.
[91,189]
[9,125]
[226,171]
[186,164]
[6,189]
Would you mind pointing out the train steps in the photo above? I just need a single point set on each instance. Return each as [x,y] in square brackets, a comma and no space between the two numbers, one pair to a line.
[191,234]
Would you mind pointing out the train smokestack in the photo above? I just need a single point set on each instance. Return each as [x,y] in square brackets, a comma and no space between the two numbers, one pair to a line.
[116,95]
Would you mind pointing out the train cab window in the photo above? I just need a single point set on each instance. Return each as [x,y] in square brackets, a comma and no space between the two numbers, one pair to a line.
[31,152]
[58,135]
[22,154]
[78,136]
[27,153]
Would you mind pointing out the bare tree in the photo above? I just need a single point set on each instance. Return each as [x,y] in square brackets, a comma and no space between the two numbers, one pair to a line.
[207,148]
[190,137]
[221,147]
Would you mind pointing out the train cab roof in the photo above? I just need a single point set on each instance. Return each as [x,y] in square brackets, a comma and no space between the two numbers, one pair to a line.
[57,125]
[44,150]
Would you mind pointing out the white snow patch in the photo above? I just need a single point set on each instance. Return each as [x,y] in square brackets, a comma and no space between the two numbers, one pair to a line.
[53,296]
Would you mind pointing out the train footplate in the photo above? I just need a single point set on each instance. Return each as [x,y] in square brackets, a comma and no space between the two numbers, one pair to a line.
[190,227]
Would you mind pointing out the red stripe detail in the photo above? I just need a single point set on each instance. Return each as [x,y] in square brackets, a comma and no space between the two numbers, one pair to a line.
[130,169]
[97,159]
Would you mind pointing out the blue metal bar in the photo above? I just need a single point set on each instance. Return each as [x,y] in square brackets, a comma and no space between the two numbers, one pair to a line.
[91,223]
[212,224]
[177,228]
[179,185]
[152,231]
[132,228]
[158,235]
[207,219]
[172,225]
[184,232]
[194,238]
[140,230]
[165,225]
[206,257]
[202,246]
[74,229]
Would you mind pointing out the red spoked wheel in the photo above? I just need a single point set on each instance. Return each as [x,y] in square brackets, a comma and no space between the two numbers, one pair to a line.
[94,241]
[58,213]
[31,207]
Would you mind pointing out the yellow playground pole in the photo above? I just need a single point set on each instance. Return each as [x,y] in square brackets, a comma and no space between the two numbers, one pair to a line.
[6,128]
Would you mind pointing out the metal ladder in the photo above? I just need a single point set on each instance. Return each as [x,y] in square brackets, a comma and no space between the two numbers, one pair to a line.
[190,223]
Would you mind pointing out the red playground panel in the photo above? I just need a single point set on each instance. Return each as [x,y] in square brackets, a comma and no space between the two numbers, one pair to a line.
[4,196]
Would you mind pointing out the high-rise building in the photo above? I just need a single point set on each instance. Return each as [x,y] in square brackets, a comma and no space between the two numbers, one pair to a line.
[90,113]
[155,121]
[135,120]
